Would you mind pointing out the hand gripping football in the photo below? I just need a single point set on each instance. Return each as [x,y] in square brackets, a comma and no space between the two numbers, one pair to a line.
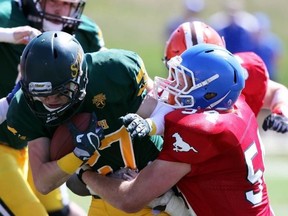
[62,141]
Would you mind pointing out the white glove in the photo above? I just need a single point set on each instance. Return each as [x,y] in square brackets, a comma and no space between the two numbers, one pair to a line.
[175,206]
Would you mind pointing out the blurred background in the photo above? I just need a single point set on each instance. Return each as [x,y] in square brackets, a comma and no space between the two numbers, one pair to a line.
[142,26]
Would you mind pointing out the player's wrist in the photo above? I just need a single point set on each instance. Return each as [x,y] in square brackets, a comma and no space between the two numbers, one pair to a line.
[80,172]
[279,104]
[7,35]
[152,126]
[281,109]
[157,118]
[69,163]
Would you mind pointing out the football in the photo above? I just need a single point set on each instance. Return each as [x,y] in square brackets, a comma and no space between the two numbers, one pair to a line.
[62,141]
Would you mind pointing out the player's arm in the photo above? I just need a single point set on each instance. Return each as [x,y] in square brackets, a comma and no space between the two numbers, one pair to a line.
[18,35]
[125,194]
[47,174]
[276,100]
[276,95]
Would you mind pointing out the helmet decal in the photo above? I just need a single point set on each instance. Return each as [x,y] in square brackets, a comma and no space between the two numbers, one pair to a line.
[76,66]
[204,76]
[54,64]
[189,34]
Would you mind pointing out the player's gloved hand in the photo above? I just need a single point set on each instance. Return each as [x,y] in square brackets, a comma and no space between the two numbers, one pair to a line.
[124,173]
[278,119]
[170,203]
[136,125]
[76,184]
[88,141]
[275,122]
[79,174]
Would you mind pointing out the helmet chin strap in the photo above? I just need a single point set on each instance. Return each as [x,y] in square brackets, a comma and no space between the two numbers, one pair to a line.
[49,109]
[49,26]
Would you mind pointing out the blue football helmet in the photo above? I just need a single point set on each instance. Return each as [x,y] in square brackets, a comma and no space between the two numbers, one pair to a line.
[204,76]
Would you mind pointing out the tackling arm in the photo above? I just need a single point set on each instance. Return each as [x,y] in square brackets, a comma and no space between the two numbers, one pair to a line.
[125,194]
[276,100]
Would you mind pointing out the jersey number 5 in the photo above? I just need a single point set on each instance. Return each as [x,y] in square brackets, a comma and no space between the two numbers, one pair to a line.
[253,176]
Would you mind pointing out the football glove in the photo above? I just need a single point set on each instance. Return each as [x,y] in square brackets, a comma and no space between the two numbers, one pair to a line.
[126,174]
[136,125]
[81,170]
[275,122]
[88,141]
[75,182]
[170,203]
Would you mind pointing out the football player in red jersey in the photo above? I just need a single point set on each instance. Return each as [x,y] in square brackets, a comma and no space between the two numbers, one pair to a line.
[212,150]
[260,91]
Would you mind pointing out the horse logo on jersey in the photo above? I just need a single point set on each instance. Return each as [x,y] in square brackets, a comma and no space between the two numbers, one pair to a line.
[99,100]
[180,145]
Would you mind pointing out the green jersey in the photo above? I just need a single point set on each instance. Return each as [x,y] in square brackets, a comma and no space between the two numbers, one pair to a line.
[88,34]
[116,87]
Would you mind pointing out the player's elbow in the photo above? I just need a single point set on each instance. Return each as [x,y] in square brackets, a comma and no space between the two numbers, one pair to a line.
[131,205]
[43,188]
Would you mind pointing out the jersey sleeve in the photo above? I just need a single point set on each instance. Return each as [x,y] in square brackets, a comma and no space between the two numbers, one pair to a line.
[257,81]
[22,122]
[120,77]
[90,35]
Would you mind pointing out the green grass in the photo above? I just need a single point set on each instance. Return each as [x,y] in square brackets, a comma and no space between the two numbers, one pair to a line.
[139,25]
[276,178]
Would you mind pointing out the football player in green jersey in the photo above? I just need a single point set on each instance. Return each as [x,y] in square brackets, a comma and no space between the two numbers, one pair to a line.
[20,21]
[58,81]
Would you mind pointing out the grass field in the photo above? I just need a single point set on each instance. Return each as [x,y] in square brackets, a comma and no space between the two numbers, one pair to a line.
[139,25]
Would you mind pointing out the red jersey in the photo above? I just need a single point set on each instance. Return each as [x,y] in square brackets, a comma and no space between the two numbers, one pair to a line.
[225,153]
[256,83]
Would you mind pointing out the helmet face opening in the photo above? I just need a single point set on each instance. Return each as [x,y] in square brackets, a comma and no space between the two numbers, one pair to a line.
[45,16]
[53,64]
[205,76]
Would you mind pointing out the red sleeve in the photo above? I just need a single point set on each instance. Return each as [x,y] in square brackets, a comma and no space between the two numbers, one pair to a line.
[256,83]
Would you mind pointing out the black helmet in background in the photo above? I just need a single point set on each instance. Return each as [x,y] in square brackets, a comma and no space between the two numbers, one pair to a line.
[38,16]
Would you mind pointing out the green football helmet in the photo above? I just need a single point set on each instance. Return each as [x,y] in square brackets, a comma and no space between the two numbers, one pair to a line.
[35,11]
[53,63]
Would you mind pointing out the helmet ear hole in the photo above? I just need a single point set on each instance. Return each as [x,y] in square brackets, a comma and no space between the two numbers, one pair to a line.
[210,95]
[235,76]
